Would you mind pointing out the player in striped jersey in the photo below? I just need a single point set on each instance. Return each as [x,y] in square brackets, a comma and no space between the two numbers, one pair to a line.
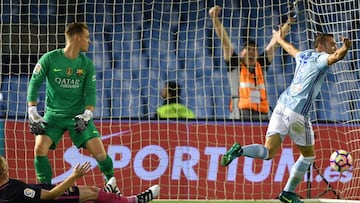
[291,114]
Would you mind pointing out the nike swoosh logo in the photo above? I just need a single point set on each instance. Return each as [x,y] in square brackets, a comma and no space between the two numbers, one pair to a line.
[105,137]
[57,70]
[289,200]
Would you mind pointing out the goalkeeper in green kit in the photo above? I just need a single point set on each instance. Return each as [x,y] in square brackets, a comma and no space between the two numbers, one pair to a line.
[70,102]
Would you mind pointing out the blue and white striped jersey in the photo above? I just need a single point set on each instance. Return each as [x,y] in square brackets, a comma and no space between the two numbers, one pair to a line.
[310,70]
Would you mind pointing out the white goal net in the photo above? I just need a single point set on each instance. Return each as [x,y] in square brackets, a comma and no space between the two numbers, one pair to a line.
[136,47]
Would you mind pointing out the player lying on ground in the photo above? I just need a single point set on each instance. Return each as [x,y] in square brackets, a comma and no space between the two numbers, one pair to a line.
[16,191]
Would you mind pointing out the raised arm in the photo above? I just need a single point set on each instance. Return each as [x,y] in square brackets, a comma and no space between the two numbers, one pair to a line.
[289,48]
[220,31]
[58,190]
[341,52]
[284,30]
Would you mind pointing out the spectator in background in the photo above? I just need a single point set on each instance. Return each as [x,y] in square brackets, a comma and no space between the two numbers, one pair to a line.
[246,72]
[172,107]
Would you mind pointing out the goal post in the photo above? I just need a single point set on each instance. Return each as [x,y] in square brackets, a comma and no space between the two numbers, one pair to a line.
[136,47]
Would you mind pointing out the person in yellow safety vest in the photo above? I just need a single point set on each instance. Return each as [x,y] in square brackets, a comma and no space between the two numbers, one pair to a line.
[172,107]
[246,72]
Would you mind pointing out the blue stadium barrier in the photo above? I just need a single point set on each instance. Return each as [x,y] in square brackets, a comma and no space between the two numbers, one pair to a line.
[126,97]
[124,53]
[355,103]
[129,61]
[42,12]
[272,91]
[152,81]
[222,93]
[41,99]
[3,102]
[333,104]
[130,12]
[158,41]
[278,77]
[100,45]
[188,95]
[14,88]
[5,17]
[332,112]
[159,46]
[101,55]
[205,98]
[196,93]
[103,99]
[99,12]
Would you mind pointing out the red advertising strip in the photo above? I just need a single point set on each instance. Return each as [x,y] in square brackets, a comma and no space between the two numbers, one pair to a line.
[184,158]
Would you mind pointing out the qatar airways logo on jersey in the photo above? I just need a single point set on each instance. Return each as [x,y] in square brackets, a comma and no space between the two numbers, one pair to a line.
[68,83]
[204,157]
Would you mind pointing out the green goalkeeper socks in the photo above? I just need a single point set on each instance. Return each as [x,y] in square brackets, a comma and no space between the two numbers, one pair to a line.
[43,169]
[106,167]
[44,172]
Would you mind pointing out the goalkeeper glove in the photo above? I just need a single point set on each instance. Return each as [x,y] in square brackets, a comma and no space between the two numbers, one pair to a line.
[82,121]
[37,122]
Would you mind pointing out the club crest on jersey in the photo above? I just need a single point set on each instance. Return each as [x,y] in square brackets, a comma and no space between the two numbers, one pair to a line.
[28,192]
[37,69]
[69,71]
[79,72]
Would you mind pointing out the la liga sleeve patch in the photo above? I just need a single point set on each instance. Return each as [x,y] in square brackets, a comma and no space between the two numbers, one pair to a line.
[28,192]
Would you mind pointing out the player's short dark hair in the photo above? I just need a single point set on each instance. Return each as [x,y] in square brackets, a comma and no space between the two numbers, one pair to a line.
[75,28]
[321,38]
[249,43]
[174,89]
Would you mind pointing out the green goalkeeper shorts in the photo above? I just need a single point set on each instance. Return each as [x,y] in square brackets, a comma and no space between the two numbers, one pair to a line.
[57,127]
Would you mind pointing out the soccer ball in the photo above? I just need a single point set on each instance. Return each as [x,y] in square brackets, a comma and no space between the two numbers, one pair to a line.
[341,160]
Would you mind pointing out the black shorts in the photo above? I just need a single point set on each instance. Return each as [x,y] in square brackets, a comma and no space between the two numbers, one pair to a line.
[71,195]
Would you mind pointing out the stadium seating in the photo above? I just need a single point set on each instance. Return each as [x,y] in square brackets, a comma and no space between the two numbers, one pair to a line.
[98,12]
[5,12]
[136,47]
[333,95]
[222,94]
[151,86]
[14,91]
[128,12]
[125,95]
[101,56]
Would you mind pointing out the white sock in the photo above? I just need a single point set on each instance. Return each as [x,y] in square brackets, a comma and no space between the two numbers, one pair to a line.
[297,172]
[255,151]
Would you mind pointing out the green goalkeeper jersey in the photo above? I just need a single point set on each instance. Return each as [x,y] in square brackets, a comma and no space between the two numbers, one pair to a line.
[70,83]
